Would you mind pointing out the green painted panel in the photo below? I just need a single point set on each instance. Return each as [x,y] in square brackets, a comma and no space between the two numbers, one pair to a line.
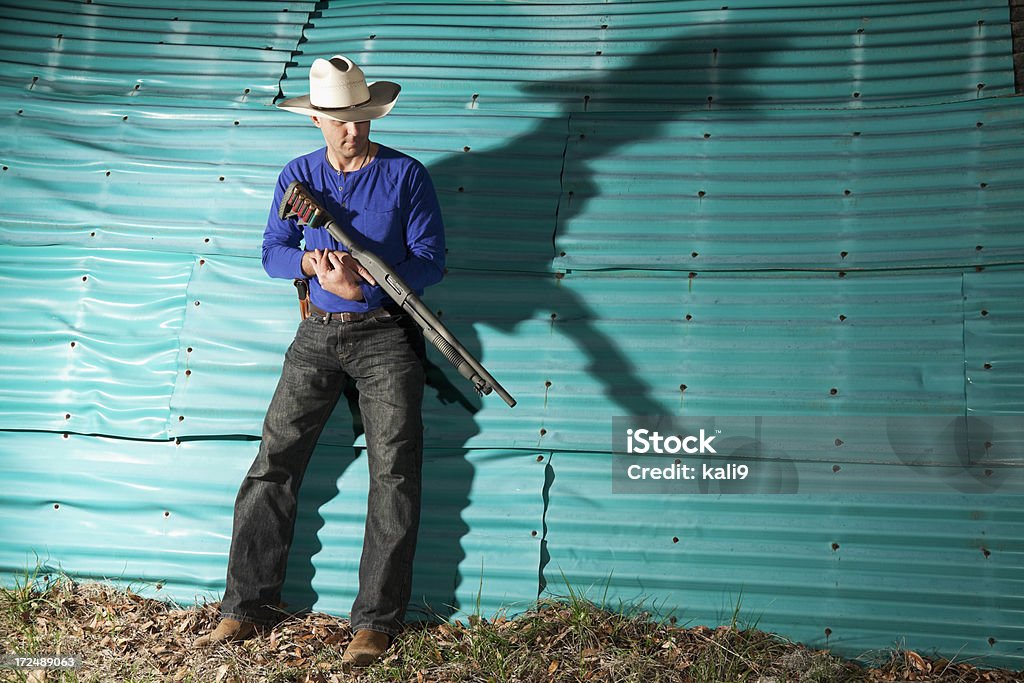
[812,190]
[668,54]
[830,571]
[156,516]
[994,326]
[89,340]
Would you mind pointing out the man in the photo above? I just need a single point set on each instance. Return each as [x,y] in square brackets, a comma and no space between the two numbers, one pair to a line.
[388,201]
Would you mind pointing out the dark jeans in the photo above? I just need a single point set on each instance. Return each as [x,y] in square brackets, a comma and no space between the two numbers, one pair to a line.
[384,358]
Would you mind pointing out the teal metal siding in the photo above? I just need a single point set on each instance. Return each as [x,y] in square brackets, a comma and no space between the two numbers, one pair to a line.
[834,232]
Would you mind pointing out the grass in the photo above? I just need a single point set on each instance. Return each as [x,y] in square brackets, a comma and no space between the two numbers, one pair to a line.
[127,638]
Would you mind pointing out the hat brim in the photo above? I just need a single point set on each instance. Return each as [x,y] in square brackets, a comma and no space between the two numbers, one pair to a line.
[383,95]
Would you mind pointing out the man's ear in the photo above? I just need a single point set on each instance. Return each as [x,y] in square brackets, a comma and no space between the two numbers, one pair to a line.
[315,120]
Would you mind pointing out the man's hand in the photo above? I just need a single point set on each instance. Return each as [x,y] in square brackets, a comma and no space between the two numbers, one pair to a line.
[339,273]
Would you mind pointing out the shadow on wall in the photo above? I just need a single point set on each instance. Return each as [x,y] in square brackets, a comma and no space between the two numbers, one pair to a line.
[688,73]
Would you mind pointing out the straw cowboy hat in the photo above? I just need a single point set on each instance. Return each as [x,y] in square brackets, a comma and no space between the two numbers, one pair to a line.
[338,90]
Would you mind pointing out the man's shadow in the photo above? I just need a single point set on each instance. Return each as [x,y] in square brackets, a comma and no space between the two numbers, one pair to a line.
[503,215]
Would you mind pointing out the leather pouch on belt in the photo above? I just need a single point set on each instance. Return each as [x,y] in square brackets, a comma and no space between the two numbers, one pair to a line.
[302,286]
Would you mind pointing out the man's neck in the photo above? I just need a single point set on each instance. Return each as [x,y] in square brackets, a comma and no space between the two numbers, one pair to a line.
[355,163]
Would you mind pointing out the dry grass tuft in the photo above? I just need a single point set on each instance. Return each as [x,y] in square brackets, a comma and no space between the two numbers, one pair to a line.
[130,639]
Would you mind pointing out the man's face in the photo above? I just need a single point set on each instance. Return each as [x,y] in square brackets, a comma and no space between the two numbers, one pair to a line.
[347,142]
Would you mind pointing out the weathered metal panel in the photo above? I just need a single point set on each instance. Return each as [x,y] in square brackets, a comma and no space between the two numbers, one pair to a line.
[209,193]
[994,354]
[758,190]
[156,515]
[122,183]
[89,341]
[155,50]
[939,572]
[667,53]
[739,344]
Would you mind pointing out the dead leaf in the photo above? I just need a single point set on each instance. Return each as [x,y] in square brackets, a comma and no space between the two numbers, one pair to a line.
[221,673]
[917,661]
[37,676]
[553,668]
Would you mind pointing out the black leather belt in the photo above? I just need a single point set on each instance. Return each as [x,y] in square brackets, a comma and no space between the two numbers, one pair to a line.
[351,316]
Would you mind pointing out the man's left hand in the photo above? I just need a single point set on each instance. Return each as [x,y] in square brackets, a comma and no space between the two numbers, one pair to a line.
[340,273]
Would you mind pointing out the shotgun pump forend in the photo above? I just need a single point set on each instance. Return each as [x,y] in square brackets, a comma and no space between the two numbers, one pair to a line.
[299,204]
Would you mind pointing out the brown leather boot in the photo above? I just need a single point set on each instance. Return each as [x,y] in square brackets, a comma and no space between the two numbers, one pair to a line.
[365,648]
[227,631]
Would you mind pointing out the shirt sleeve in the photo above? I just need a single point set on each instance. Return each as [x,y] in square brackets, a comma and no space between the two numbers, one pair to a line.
[282,255]
[424,260]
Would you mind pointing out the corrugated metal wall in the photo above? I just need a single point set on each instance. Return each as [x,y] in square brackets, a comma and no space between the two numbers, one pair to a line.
[667,207]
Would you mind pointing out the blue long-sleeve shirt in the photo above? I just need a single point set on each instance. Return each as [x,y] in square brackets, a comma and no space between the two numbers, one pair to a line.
[390,206]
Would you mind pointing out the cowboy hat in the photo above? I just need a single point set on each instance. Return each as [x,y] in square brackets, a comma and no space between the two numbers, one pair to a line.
[338,90]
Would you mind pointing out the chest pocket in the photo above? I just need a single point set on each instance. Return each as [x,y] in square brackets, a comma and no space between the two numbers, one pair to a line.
[378,213]
[381,222]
